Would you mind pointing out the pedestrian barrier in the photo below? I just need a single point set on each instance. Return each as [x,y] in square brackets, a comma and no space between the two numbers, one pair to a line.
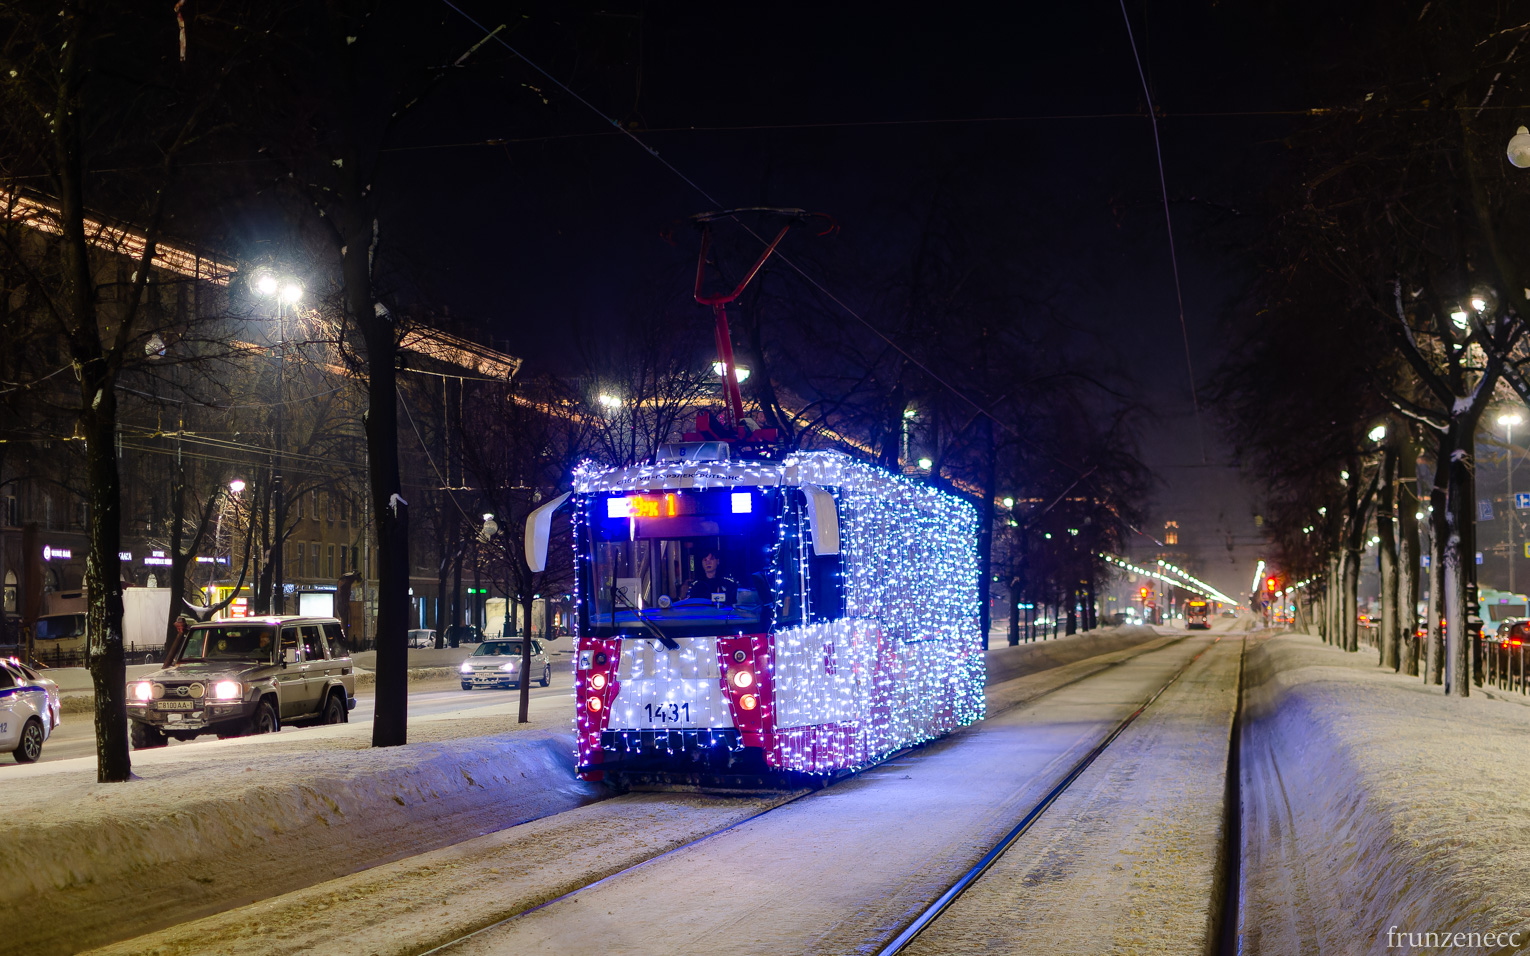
[1505,666]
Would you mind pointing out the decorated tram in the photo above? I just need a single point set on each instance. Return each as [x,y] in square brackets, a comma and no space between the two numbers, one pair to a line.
[808,614]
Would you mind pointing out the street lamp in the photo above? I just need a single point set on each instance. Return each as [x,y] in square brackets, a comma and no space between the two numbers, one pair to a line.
[236,486]
[608,400]
[1508,421]
[1519,148]
[739,372]
[286,291]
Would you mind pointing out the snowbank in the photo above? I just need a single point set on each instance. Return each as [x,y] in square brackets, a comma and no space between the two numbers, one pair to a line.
[1375,806]
[191,837]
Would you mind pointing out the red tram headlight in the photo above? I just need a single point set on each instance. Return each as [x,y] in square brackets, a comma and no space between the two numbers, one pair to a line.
[594,704]
[748,702]
[598,681]
[742,679]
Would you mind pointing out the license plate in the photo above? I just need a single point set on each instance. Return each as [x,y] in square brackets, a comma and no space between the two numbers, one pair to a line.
[173,705]
[668,712]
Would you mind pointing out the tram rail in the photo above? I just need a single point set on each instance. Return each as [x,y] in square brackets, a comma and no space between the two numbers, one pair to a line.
[943,902]
[931,913]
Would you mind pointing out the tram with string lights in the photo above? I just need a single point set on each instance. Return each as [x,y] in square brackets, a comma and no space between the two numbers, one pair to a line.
[746,611]
[740,617]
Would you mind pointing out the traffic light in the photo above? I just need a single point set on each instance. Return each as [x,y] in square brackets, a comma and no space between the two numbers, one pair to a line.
[1269,585]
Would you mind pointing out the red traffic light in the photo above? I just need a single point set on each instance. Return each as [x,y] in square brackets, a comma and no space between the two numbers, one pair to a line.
[1269,584]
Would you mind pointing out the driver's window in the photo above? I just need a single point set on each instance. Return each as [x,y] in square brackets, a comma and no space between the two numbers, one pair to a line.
[289,644]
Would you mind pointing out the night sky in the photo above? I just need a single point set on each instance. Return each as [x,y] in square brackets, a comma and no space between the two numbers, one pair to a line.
[863,112]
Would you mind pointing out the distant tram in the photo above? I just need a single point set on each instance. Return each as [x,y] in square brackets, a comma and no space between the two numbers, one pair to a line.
[739,617]
[1197,615]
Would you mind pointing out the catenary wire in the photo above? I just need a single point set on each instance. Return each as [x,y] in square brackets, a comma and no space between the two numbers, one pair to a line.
[1179,296]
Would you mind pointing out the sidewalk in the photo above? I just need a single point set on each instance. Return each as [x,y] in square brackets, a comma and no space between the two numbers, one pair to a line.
[1373,804]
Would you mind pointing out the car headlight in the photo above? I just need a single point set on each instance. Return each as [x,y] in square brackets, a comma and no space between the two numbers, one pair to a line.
[141,691]
[507,667]
[227,690]
[467,667]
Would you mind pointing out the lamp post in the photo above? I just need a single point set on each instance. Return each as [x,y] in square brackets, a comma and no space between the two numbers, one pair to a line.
[286,291]
[1508,421]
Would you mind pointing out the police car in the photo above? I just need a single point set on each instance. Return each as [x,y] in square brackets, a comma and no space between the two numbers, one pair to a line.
[29,710]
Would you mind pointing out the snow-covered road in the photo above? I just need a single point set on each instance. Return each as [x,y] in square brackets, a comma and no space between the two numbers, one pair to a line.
[76,737]
[826,873]
[846,868]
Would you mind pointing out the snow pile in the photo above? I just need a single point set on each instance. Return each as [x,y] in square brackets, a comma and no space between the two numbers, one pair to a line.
[1374,804]
[233,824]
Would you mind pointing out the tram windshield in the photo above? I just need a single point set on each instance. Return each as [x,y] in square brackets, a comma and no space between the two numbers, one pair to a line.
[683,562]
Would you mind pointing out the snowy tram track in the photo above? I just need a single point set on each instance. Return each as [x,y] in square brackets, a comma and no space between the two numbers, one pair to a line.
[972,784]
[848,867]
[936,909]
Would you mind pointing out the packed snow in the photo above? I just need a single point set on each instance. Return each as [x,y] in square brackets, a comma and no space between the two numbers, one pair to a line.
[1374,806]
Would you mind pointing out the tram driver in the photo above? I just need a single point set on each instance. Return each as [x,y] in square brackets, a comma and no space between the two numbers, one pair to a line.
[712,582]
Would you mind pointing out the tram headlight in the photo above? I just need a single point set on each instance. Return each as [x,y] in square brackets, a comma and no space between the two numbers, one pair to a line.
[598,681]
[743,679]
[747,702]
[593,704]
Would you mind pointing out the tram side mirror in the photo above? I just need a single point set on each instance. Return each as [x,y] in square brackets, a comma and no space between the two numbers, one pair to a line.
[538,529]
[823,519]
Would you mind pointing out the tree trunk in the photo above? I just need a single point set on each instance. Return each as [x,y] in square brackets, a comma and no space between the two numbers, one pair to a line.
[1351,602]
[1458,514]
[1434,637]
[1072,599]
[1014,611]
[1386,521]
[526,606]
[1409,551]
[103,581]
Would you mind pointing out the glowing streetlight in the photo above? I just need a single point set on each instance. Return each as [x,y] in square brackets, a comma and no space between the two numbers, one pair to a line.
[1519,148]
[1459,320]
[739,372]
[267,284]
[1479,303]
[236,486]
[926,464]
[1379,433]
[291,292]
[608,400]
[1009,502]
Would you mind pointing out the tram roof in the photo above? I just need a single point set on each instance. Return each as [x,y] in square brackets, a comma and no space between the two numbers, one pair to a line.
[810,467]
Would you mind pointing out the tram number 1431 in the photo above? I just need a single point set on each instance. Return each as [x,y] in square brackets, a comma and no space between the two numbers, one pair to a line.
[662,713]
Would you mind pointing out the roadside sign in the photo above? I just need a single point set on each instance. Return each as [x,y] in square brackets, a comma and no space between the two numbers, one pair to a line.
[1485,510]
[1522,500]
[1527,549]
[1527,554]
[1479,557]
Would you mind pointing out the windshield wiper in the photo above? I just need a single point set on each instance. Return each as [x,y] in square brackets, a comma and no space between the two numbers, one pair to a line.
[637,612]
